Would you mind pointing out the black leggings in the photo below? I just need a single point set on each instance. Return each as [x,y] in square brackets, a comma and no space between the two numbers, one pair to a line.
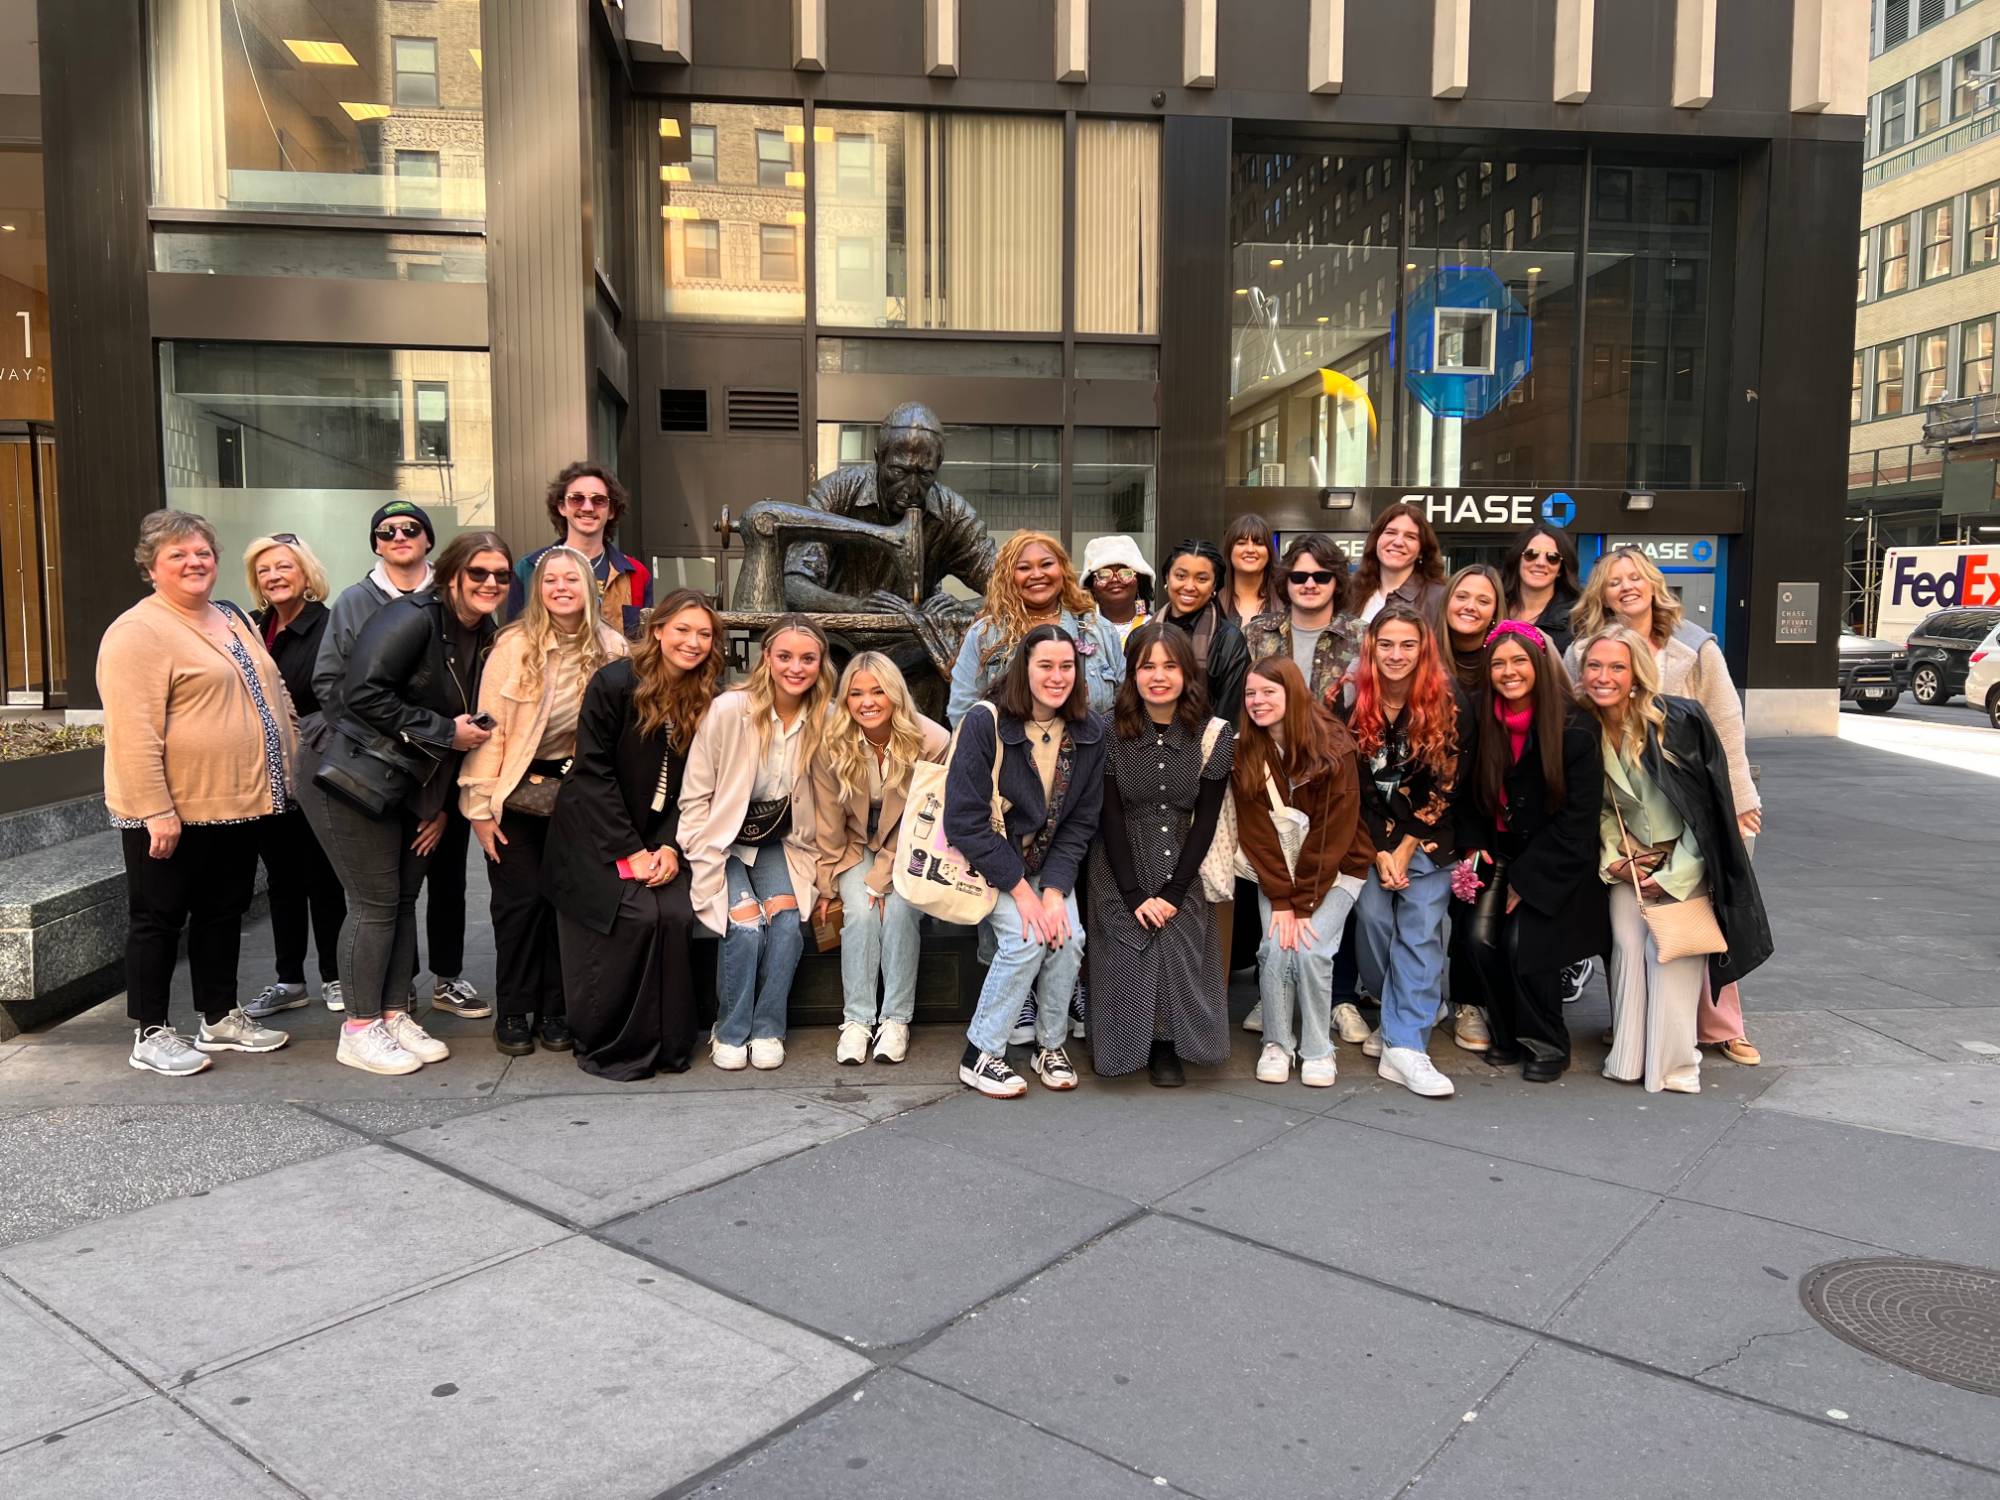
[204,886]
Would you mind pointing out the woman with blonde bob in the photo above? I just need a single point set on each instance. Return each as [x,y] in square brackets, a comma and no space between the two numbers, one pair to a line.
[861,780]
[747,828]
[1033,584]
[617,877]
[1668,828]
[1626,588]
[533,689]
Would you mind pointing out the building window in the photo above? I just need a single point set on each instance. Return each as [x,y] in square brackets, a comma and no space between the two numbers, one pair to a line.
[1854,394]
[701,250]
[1893,270]
[1975,358]
[1507,229]
[416,60]
[854,271]
[778,253]
[1930,100]
[854,157]
[774,159]
[1684,198]
[1982,226]
[1895,117]
[417,182]
[1932,366]
[1889,379]
[1614,195]
[1968,92]
[1861,271]
[1118,227]
[433,403]
[1535,217]
[701,153]
[1939,238]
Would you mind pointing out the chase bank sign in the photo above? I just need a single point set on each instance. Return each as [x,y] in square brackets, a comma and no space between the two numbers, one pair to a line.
[1459,508]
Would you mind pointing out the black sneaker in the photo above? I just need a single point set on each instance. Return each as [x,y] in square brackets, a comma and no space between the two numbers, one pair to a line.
[458,997]
[1574,979]
[1023,1034]
[990,1075]
[514,1035]
[1164,1067]
[554,1033]
[1052,1066]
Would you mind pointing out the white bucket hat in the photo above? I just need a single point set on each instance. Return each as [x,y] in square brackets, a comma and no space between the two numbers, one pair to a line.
[1112,552]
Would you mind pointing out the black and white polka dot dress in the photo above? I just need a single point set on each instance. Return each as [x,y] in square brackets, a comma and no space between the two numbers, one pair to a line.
[1148,983]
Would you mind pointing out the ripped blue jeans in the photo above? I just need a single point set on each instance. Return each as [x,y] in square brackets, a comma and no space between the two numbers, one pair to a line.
[760,955]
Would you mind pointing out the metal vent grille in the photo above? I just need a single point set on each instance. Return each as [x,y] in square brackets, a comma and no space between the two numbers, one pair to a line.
[684,411]
[763,411]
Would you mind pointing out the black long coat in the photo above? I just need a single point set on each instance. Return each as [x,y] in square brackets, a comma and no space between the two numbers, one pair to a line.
[604,811]
[1565,911]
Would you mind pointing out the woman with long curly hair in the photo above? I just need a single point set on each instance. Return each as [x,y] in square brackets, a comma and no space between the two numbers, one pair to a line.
[747,824]
[861,780]
[1413,729]
[1401,563]
[616,874]
[1032,584]
[533,693]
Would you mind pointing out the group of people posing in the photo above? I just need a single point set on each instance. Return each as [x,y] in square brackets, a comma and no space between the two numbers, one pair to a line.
[1442,796]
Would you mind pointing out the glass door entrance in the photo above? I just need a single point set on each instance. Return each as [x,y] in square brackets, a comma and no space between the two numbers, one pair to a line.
[30,562]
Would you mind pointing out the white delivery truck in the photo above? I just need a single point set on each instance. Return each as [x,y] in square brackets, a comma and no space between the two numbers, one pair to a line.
[1917,581]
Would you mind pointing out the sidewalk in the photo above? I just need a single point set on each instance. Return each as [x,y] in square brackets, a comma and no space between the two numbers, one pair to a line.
[499,1277]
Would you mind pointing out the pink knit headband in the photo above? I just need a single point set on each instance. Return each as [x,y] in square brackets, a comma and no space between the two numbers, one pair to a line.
[1521,628]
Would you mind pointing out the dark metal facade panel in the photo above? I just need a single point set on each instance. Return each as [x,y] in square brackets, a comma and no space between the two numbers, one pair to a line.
[107,417]
[317,310]
[1753,57]
[1634,56]
[1513,51]
[1015,39]
[541,287]
[1194,320]
[875,36]
[1137,43]
[747,34]
[1388,55]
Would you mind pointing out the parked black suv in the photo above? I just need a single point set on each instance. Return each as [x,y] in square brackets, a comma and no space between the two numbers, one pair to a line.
[1939,648]
[1873,674]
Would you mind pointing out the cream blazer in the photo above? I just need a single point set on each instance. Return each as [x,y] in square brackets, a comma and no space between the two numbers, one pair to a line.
[715,793]
[492,771]
[843,826]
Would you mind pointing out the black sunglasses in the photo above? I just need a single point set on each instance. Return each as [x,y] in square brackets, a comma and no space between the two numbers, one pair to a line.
[395,529]
[290,539]
[488,575]
[1535,554]
[1316,576]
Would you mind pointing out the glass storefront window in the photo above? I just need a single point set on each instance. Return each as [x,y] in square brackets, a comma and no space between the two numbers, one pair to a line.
[1114,486]
[1011,475]
[313,439]
[1117,226]
[352,254]
[726,242]
[286,105]
[31,627]
[938,220]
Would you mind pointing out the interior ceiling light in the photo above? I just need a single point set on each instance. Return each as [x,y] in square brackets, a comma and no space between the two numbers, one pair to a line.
[1277,261]
[795,179]
[478,57]
[675,174]
[1243,291]
[676,211]
[328,54]
[795,216]
[1534,270]
[364,111]
[6,228]
[1326,320]
[670,128]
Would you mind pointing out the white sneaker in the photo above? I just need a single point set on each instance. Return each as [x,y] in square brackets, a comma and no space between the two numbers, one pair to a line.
[1319,1072]
[236,1032]
[766,1053]
[729,1059]
[892,1042]
[1468,1029]
[1371,1044]
[373,1050]
[161,1049]
[1255,1020]
[414,1040]
[1275,1065]
[1415,1072]
[853,1048]
[330,993]
[1347,1021]
[1681,1085]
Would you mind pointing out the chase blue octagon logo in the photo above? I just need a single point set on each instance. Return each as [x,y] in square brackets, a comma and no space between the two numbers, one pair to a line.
[1468,393]
[1559,509]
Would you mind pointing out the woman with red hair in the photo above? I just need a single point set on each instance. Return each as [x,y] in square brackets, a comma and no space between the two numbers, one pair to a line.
[1414,732]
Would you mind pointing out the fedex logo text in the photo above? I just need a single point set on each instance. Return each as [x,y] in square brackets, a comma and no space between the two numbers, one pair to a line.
[1975,581]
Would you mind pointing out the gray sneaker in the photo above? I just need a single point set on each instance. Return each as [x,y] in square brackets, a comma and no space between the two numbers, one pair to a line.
[373,1050]
[161,1049]
[329,991]
[459,998]
[236,1032]
[273,998]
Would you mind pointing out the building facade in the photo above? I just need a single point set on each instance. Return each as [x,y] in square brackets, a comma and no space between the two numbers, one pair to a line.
[1154,262]
[1925,312]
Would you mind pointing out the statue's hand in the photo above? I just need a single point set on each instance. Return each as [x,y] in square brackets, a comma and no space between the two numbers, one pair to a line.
[946,609]
[883,602]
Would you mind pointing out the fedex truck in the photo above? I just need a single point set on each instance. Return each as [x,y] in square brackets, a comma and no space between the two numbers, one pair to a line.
[1918,580]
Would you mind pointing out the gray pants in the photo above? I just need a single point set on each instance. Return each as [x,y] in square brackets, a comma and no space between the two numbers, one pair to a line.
[381,874]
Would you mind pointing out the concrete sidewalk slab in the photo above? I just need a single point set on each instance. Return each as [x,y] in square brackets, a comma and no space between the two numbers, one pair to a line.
[70,1164]
[51,1377]
[1897,1191]
[899,1435]
[97,1073]
[1819,1039]
[1956,1104]
[151,1449]
[809,1064]
[1466,1228]
[569,1371]
[390,1117]
[1122,1137]
[878,1238]
[1650,1303]
[186,1286]
[1961,1034]
[592,1159]
[1225,1368]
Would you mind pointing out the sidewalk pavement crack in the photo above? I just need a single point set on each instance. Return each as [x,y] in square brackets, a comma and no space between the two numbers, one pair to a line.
[1744,1348]
[1478,1406]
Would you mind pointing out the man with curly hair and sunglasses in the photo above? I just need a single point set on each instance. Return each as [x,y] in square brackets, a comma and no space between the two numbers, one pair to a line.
[1313,628]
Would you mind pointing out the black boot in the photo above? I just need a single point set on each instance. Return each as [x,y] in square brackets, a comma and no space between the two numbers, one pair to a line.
[1164,1067]
[514,1035]
[555,1034]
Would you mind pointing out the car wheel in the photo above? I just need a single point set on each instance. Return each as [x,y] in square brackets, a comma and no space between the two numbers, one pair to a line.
[1993,708]
[1926,685]
[1877,705]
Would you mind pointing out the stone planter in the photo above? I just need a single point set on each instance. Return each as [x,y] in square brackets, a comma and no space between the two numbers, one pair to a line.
[42,779]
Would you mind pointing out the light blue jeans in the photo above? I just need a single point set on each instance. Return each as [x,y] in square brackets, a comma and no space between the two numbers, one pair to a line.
[1020,965]
[1302,979]
[876,942]
[760,956]
[1402,949]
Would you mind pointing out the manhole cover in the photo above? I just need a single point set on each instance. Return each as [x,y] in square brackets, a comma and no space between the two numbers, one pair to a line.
[1936,1319]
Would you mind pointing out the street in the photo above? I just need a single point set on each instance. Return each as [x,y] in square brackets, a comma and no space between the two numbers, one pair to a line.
[1949,734]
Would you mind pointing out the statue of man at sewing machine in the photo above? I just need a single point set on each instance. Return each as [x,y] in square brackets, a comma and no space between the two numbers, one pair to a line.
[863,580]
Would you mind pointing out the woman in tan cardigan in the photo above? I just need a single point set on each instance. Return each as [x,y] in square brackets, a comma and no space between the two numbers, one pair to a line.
[533,688]
[198,746]
[861,779]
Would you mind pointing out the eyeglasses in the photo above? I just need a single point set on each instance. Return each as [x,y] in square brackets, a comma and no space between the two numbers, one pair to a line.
[1322,579]
[395,529]
[289,539]
[487,575]
[1115,575]
[1535,554]
[588,502]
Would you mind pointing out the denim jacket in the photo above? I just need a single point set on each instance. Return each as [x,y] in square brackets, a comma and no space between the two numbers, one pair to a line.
[1097,643]
[968,801]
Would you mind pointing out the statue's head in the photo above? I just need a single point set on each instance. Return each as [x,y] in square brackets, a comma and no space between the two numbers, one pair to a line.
[908,454]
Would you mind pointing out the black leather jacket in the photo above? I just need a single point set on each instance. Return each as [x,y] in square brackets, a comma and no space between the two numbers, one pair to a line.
[407,680]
